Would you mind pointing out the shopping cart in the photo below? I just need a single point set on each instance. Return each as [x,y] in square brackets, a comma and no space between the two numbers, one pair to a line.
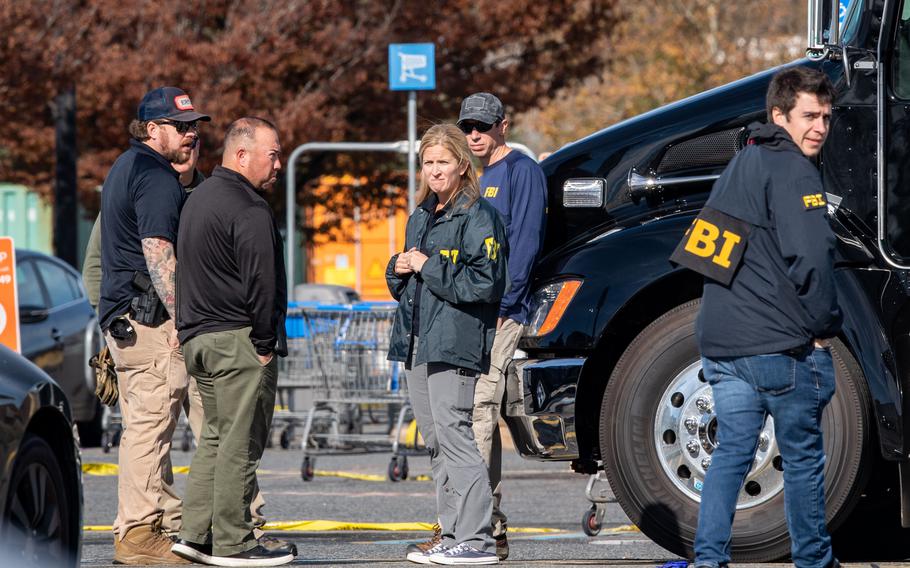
[338,353]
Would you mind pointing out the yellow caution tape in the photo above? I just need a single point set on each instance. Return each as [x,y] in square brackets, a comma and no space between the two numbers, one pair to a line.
[410,435]
[321,526]
[102,468]
[328,526]
[619,529]
[534,530]
[365,476]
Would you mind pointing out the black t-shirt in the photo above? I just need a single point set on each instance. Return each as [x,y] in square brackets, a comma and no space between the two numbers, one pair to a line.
[141,198]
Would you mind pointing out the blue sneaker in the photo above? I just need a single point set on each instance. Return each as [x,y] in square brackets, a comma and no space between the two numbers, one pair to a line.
[424,557]
[463,554]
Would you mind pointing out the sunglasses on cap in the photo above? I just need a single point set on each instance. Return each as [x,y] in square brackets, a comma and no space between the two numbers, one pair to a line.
[469,126]
[180,126]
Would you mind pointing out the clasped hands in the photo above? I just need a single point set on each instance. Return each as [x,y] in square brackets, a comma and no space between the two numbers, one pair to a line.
[410,262]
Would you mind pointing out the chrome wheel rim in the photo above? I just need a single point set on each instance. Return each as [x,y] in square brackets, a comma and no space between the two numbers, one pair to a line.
[685,429]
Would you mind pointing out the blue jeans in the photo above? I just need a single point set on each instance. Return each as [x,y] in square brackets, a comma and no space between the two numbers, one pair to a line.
[794,389]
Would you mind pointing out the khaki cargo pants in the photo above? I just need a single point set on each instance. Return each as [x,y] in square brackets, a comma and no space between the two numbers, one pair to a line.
[488,395]
[153,382]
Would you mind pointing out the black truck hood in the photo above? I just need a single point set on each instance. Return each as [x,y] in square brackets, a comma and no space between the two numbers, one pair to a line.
[639,143]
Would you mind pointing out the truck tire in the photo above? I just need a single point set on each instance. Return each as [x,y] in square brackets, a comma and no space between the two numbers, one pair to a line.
[645,444]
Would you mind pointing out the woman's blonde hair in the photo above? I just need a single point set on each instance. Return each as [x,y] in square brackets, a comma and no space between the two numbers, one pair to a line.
[452,139]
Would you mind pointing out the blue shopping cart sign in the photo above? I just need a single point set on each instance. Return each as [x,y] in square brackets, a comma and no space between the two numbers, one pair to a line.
[412,66]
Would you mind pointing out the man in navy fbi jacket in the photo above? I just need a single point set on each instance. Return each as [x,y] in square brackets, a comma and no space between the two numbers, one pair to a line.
[769,304]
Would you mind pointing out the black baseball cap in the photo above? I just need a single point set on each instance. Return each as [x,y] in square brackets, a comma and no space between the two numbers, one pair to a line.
[170,103]
[481,107]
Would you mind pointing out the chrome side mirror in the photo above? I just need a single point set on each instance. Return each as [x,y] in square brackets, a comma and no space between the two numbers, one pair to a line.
[823,28]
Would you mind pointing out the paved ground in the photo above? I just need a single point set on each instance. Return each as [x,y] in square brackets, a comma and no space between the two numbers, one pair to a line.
[538,496]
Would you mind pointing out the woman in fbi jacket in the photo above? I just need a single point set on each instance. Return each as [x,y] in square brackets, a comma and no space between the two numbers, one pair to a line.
[448,284]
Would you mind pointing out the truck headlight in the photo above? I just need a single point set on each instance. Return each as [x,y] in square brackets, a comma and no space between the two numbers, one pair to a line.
[548,304]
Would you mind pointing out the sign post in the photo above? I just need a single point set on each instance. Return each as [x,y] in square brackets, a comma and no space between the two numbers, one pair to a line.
[412,68]
[9,302]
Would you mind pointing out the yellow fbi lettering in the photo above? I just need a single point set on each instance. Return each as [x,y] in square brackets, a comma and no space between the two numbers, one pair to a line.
[814,200]
[491,191]
[492,248]
[450,254]
[702,241]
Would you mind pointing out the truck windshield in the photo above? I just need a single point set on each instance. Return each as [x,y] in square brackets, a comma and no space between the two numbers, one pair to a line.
[851,21]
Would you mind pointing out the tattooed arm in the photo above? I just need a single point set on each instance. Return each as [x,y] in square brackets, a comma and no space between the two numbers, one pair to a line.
[162,265]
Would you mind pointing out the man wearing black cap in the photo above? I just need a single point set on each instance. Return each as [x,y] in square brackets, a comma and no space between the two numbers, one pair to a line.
[515,185]
[141,202]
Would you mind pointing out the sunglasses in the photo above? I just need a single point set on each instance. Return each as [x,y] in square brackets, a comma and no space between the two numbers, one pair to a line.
[468,127]
[181,127]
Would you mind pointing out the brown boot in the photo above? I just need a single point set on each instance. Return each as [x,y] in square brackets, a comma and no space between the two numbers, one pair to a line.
[422,547]
[145,545]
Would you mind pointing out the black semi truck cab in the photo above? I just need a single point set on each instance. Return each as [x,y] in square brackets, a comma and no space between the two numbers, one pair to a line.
[612,376]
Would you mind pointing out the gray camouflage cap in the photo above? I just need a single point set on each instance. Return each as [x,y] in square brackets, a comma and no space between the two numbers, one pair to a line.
[481,107]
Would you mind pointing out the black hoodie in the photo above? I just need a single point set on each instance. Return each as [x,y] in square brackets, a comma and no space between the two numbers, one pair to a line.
[782,295]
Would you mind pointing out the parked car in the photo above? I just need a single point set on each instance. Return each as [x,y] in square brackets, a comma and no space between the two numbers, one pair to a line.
[325,294]
[59,333]
[40,469]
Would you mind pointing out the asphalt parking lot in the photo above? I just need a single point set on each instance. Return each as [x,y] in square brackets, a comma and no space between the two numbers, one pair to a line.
[545,503]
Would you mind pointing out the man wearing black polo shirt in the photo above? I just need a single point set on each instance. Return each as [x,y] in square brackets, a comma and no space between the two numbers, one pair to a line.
[233,301]
[141,202]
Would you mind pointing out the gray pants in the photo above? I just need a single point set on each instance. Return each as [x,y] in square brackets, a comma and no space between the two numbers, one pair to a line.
[442,400]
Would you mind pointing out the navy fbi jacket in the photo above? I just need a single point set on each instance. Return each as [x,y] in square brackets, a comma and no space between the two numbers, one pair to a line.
[517,188]
[782,295]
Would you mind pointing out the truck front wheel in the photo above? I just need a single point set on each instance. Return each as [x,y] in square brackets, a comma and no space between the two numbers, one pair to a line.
[658,431]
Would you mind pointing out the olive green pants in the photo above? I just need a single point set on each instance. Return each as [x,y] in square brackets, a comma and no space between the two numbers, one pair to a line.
[238,398]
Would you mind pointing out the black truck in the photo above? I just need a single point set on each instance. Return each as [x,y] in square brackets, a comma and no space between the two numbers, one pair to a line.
[612,376]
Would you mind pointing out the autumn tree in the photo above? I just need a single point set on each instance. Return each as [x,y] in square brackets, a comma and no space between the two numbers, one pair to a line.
[664,51]
[316,67]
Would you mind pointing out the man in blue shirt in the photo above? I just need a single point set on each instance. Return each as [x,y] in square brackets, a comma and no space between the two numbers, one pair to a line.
[141,202]
[515,185]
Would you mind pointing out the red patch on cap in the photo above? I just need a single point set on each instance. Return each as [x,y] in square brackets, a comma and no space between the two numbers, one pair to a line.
[182,102]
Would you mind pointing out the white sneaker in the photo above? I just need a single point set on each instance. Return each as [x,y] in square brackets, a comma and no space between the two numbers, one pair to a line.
[463,554]
[424,557]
